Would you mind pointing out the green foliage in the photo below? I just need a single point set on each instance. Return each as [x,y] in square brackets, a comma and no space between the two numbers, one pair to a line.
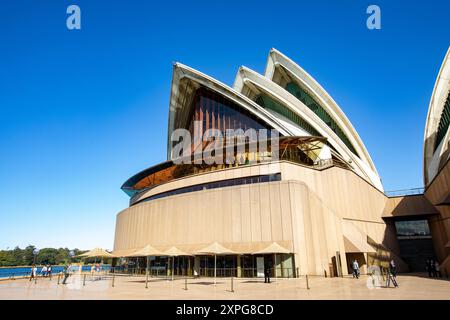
[26,257]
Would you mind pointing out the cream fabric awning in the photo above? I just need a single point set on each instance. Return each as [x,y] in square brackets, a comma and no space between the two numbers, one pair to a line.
[123,252]
[227,248]
[355,241]
[146,251]
[272,248]
[215,249]
[175,252]
[97,252]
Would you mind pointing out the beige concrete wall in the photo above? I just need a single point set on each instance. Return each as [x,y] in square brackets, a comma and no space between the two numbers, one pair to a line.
[304,212]
[440,225]
[413,205]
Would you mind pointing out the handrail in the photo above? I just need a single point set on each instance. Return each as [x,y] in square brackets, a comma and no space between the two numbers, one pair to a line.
[405,192]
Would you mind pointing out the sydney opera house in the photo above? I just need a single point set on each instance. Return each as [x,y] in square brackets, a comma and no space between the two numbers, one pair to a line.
[310,202]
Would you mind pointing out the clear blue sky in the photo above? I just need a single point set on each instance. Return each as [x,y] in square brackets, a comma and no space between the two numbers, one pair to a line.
[82,111]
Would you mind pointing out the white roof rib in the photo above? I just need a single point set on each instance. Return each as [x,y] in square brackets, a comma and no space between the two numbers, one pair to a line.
[431,154]
[302,78]
[247,79]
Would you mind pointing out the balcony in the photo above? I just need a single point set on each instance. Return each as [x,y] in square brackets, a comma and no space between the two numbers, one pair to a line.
[405,192]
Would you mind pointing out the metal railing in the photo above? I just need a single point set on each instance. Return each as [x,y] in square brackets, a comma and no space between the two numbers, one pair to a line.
[247,272]
[405,192]
[206,272]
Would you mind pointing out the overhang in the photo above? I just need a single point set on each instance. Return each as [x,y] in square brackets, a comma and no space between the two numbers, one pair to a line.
[355,240]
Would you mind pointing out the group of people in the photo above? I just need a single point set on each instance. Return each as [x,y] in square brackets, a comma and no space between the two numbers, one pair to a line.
[391,275]
[46,271]
[432,267]
[95,268]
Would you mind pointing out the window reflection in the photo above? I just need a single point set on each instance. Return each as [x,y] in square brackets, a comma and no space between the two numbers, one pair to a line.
[412,229]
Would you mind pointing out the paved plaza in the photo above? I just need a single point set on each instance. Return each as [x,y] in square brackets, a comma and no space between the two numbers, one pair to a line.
[133,287]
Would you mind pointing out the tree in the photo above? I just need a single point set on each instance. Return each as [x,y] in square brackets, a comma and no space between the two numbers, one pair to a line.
[47,256]
[18,256]
[77,252]
[25,257]
[63,256]
[6,258]
[28,255]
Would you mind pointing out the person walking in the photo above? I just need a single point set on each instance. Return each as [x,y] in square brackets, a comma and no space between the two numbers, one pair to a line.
[33,272]
[355,267]
[49,271]
[392,274]
[66,273]
[437,270]
[92,272]
[267,274]
[428,267]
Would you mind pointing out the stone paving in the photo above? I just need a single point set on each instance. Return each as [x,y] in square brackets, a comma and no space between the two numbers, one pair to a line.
[411,286]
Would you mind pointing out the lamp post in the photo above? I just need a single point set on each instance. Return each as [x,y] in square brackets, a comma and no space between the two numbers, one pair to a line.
[35,253]
[71,254]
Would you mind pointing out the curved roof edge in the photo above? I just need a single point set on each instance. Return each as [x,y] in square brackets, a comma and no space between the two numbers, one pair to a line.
[277,58]
[439,96]
[144,173]
[246,76]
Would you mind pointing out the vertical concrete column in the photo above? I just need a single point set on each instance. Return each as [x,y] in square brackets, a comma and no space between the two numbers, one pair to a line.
[239,270]
[276,266]
[197,265]
[366,266]
[169,266]
[189,271]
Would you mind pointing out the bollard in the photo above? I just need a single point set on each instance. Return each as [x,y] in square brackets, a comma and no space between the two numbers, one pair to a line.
[307,282]
[185,283]
[84,280]
[232,287]
[146,280]
[113,280]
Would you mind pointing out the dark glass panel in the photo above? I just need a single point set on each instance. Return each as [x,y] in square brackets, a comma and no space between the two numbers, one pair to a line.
[215,185]
[312,104]
[443,123]
[412,228]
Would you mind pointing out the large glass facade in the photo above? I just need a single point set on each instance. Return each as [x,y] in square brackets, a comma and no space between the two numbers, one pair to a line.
[444,123]
[312,104]
[412,229]
[269,103]
[215,111]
